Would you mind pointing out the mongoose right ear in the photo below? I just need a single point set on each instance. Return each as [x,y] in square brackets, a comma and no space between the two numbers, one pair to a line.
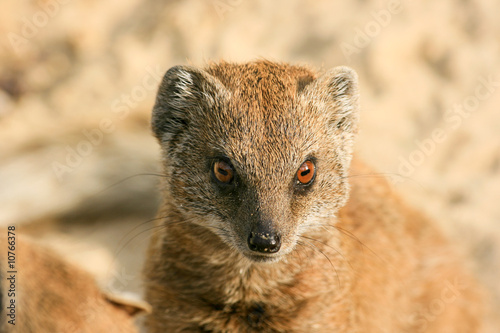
[337,90]
[184,93]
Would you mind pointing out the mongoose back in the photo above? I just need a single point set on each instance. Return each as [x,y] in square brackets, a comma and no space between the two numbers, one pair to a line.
[49,295]
[264,226]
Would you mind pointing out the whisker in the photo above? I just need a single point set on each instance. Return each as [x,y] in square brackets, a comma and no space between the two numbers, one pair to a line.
[117,253]
[346,233]
[383,175]
[221,231]
[298,252]
[355,238]
[372,174]
[331,247]
[138,226]
[124,180]
[314,248]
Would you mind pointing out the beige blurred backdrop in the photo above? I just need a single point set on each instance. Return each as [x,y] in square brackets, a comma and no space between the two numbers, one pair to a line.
[78,81]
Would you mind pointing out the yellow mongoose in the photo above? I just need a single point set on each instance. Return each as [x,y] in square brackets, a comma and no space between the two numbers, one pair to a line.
[48,295]
[258,231]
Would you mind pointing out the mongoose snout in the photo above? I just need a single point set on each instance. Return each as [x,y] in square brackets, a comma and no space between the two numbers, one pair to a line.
[264,242]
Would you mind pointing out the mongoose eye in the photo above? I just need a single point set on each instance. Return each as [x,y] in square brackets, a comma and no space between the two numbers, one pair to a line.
[223,172]
[305,174]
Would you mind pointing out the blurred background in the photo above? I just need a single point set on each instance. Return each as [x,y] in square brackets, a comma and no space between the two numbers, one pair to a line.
[78,81]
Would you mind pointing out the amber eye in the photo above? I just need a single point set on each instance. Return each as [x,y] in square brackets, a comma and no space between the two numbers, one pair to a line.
[305,174]
[223,172]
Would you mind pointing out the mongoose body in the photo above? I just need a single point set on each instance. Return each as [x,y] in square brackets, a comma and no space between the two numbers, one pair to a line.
[53,296]
[269,225]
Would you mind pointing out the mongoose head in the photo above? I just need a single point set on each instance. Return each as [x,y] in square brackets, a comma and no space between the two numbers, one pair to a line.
[258,153]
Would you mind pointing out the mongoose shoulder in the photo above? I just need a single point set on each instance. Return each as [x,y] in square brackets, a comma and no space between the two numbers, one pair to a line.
[264,225]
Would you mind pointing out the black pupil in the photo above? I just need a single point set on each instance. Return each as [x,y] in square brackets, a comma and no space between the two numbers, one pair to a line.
[223,172]
[305,172]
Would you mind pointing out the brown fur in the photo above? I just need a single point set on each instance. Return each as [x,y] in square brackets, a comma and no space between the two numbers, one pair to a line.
[367,264]
[53,296]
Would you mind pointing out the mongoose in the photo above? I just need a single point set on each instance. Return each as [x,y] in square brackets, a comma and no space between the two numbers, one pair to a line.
[267,226]
[53,296]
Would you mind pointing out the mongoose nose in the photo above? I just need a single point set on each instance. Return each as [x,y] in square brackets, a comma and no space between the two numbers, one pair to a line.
[264,242]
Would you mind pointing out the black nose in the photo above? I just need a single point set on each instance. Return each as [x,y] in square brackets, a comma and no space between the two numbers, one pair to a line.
[264,242]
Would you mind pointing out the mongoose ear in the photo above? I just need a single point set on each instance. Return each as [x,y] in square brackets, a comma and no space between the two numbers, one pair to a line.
[131,305]
[184,92]
[337,89]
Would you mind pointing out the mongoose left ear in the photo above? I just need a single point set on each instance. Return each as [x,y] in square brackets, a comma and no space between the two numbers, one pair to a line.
[337,89]
[185,92]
